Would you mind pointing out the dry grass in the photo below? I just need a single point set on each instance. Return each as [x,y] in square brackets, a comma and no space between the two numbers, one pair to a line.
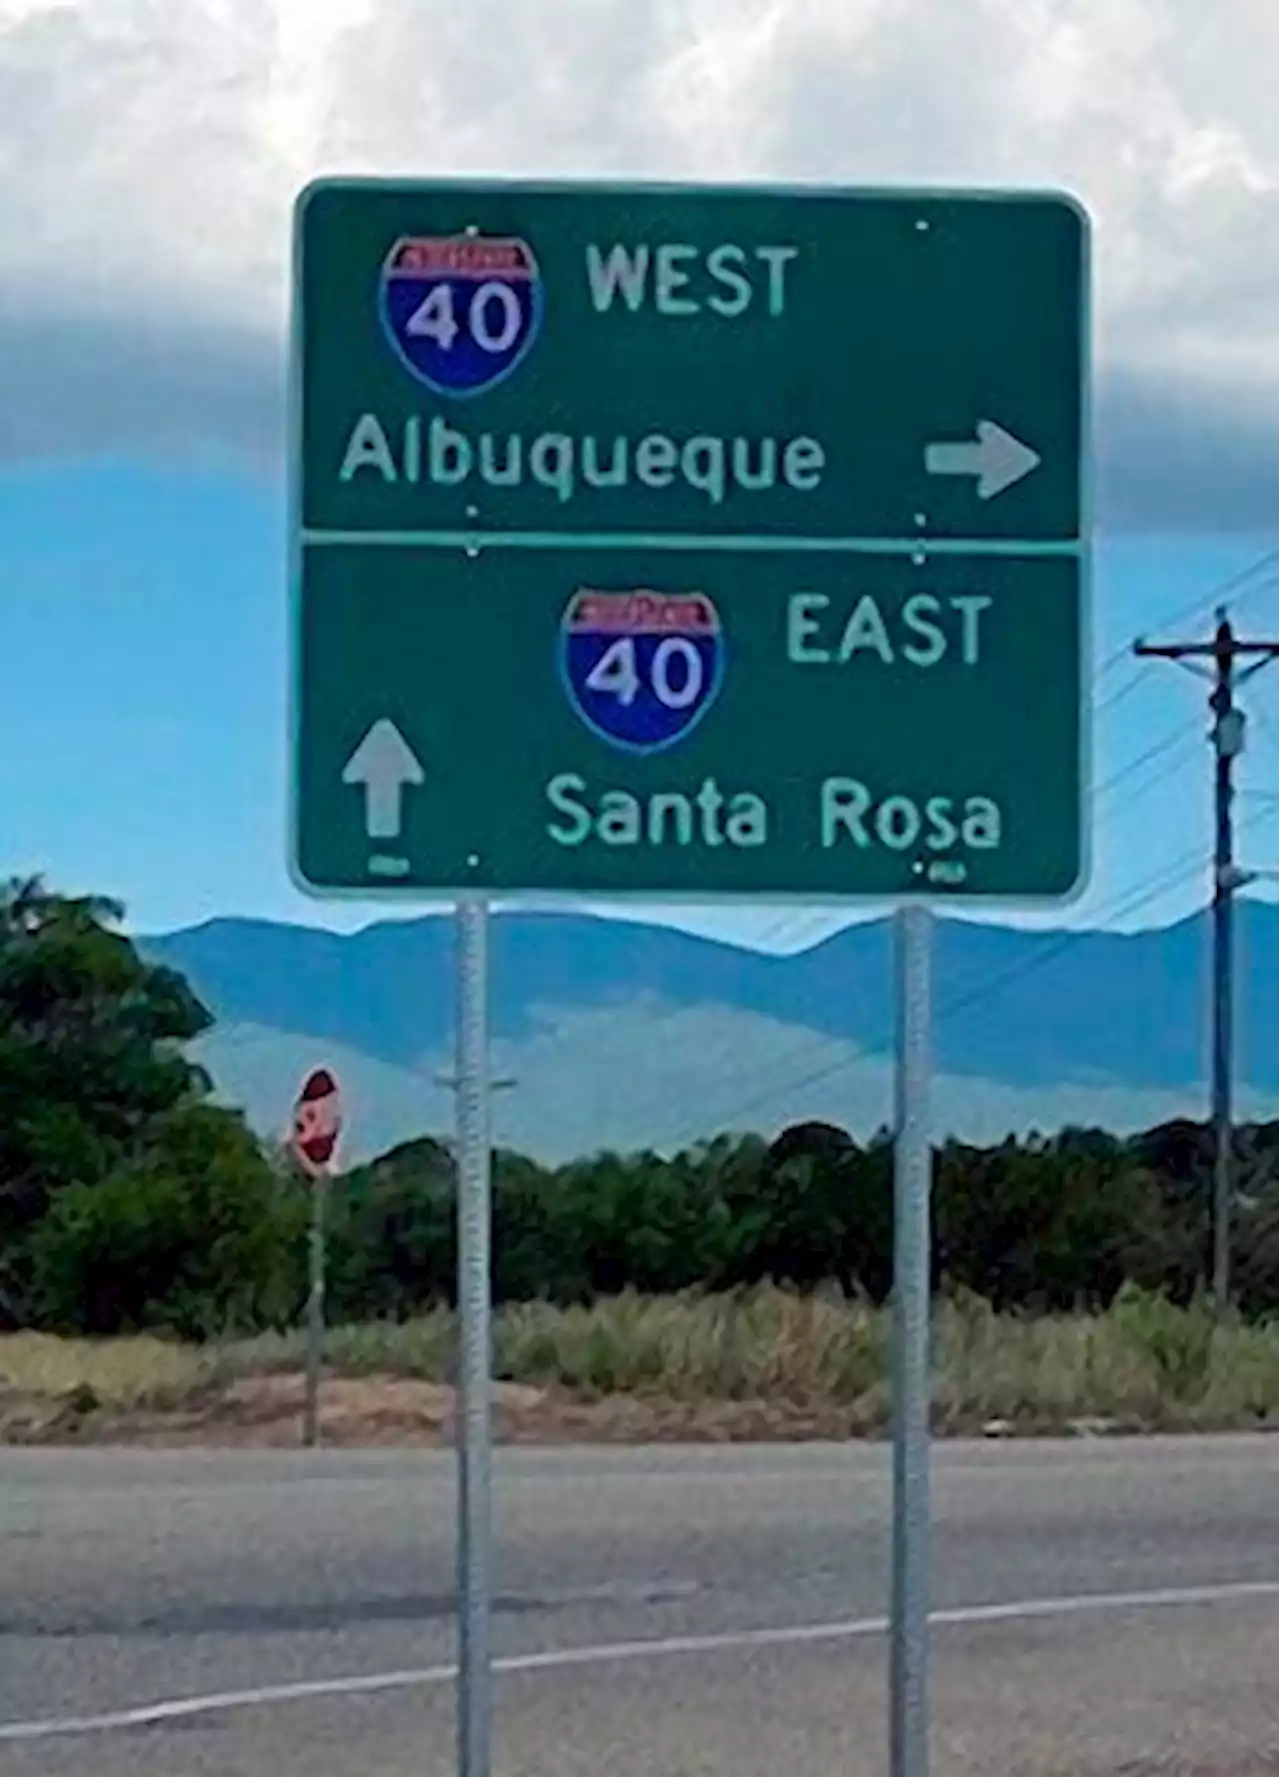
[52,1388]
[1143,1365]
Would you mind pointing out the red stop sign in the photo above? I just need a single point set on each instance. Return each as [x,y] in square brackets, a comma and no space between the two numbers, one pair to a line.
[317,1122]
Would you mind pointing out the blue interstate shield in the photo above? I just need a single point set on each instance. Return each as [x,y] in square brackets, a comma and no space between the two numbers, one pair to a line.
[461,310]
[641,668]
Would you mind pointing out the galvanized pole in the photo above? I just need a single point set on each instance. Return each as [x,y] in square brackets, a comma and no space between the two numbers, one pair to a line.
[912,1179]
[473,1370]
[1227,735]
[315,1311]
[1228,738]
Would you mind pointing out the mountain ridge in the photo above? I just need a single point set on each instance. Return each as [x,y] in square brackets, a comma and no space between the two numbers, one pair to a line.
[619,1034]
[1027,1009]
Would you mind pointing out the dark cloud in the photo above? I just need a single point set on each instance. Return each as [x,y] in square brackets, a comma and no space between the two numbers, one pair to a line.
[102,385]
[1173,456]
[1168,456]
[148,154]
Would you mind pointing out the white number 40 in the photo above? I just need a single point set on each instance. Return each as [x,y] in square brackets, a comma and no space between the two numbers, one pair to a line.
[492,317]
[616,672]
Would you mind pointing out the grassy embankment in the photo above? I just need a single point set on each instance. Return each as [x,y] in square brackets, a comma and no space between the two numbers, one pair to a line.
[763,1363]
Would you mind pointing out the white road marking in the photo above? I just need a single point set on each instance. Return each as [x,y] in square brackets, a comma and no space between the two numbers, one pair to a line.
[145,1715]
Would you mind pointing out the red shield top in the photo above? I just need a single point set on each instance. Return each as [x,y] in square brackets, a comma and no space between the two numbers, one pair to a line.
[317,1122]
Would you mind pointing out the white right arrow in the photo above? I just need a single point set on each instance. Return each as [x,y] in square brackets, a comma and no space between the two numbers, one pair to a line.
[384,763]
[995,457]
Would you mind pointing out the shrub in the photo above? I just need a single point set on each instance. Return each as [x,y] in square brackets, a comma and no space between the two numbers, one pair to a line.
[197,1236]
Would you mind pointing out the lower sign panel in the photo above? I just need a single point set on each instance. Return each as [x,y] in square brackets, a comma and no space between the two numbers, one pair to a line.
[694,724]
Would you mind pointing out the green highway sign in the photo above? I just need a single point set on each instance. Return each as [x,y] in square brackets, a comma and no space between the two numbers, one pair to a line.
[714,362]
[841,725]
[665,541]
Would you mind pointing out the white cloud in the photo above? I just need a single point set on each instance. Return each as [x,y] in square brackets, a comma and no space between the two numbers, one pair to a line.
[149,152]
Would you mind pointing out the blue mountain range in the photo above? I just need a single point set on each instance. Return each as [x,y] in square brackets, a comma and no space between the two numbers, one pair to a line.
[1025,1008]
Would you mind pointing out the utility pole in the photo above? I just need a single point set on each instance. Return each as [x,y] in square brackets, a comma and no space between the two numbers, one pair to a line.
[1219,657]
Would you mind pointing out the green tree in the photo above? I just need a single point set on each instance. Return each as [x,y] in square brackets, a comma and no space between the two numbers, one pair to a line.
[524,1231]
[392,1239]
[196,1233]
[635,1220]
[90,1054]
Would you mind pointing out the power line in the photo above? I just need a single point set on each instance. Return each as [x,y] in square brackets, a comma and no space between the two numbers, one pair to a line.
[1177,870]
[1184,864]
[1175,738]
[1235,583]
[1242,584]
[1174,873]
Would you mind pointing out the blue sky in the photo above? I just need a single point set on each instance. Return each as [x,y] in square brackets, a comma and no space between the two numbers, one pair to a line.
[145,663]
[143,600]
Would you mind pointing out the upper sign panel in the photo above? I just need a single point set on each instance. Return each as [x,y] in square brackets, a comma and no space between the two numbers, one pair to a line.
[589,360]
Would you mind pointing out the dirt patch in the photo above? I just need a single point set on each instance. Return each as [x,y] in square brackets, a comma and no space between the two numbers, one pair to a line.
[266,1411]
[30,1418]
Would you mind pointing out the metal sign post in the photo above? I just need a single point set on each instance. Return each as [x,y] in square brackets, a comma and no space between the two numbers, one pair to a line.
[313,1142]
[472,1434]
[912,1179]
[315,1312]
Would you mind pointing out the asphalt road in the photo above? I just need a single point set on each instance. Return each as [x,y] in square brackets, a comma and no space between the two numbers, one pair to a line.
[1106,1607]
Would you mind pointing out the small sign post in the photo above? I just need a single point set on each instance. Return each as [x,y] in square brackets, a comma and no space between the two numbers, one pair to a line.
[313,1142]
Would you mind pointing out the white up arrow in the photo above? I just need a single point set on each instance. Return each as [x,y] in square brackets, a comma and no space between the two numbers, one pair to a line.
[995,457]
[384,763]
